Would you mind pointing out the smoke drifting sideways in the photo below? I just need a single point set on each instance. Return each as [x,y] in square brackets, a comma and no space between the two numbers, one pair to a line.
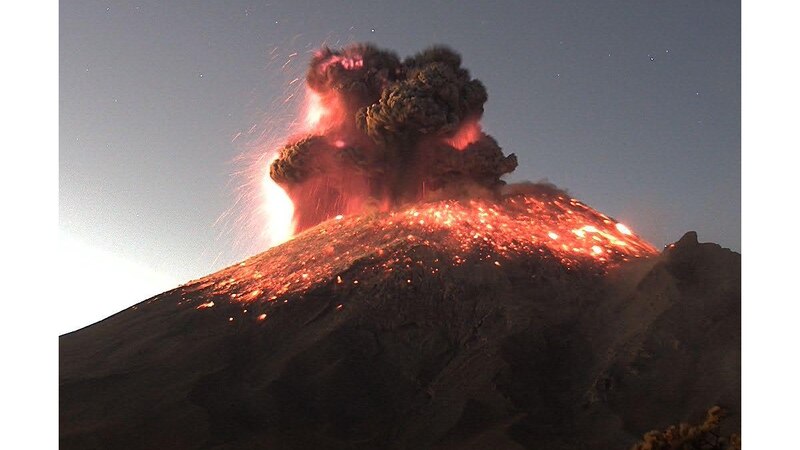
[381,133]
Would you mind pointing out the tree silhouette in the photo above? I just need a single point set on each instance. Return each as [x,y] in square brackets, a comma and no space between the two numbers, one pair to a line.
[704,436]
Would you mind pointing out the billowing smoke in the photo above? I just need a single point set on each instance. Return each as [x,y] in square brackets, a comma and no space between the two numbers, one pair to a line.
[385,132]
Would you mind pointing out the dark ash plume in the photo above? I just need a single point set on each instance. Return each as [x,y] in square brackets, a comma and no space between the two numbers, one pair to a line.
[394,132]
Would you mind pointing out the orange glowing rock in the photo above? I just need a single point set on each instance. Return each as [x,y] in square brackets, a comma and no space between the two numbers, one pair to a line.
[541,226]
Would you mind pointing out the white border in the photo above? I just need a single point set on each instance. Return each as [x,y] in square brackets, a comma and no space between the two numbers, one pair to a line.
[29,186]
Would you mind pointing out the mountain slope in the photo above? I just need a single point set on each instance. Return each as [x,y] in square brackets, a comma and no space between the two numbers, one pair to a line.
[383,331]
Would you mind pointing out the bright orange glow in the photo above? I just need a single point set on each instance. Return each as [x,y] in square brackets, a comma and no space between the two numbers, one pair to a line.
[323,113]
[623,229]
[468,133]
[315,110]
[277,211]
[454,232]
[265,212]
[349,63]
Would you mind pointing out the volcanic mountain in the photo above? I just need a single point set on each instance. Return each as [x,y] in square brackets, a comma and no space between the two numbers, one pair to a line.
[532,322]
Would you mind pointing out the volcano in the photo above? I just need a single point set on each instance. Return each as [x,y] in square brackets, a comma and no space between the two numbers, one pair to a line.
[532,322]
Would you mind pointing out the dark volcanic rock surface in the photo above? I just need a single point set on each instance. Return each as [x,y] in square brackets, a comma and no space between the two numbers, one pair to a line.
[529,355]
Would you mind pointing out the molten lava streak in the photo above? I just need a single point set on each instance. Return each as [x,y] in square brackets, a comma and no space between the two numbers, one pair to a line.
[552,227]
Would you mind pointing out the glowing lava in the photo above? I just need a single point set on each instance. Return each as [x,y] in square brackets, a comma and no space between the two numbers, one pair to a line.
[377,134]
[551,227]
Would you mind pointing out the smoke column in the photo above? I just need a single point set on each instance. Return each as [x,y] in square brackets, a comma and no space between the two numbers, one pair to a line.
[382,132]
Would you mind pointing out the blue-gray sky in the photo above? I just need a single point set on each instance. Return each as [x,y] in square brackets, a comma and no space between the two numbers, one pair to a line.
[633,106]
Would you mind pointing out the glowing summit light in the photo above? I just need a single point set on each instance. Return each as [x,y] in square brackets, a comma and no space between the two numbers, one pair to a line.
[316,110]
[623,229]
[451,233]
[277,209]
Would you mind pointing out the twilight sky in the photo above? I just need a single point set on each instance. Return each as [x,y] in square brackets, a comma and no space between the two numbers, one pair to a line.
[633,106]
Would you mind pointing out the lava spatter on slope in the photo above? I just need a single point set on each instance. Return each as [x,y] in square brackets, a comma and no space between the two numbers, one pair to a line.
[549,226]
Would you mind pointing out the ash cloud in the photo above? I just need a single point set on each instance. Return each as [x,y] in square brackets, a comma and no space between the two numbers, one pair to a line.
[386,132]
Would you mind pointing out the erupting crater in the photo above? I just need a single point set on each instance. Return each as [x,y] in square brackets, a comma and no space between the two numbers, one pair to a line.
[544,223]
